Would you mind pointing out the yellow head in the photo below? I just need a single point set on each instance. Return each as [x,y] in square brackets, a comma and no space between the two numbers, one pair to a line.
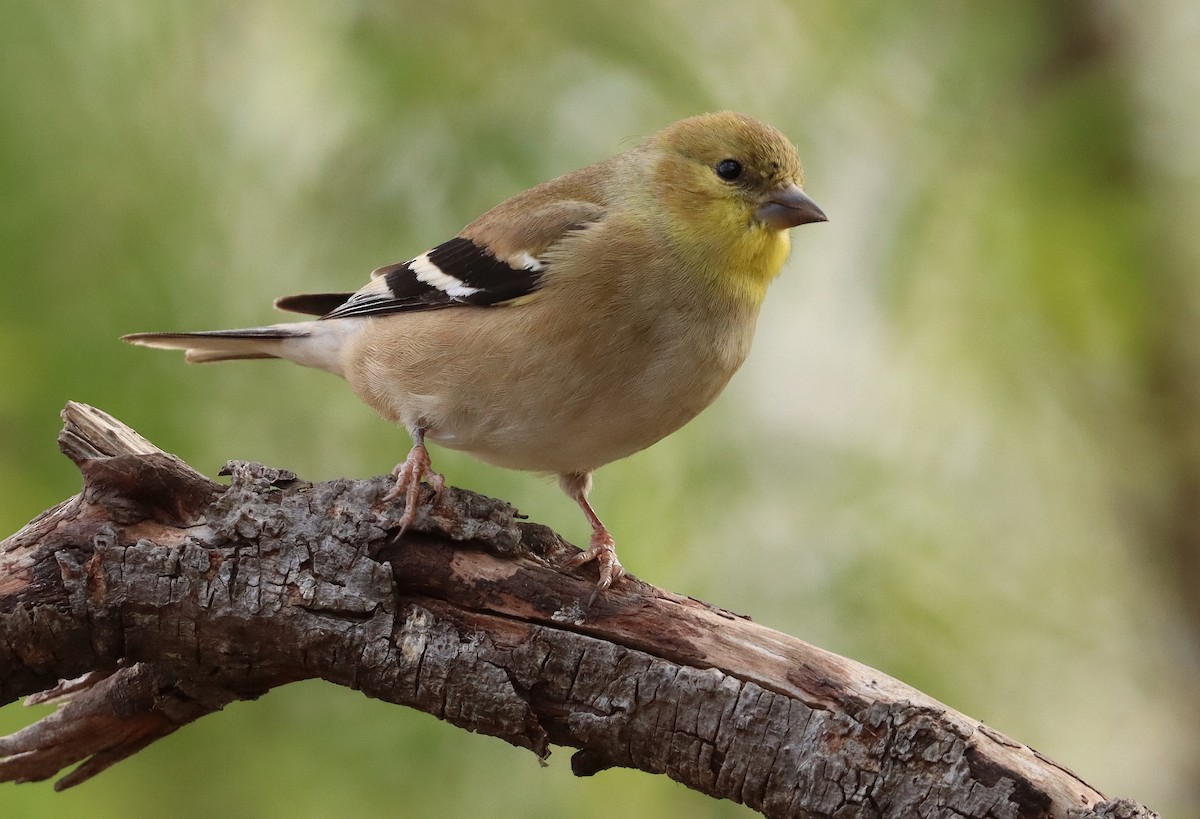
[732,186]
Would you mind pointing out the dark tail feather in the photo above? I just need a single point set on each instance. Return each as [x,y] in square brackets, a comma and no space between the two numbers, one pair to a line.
[312,304]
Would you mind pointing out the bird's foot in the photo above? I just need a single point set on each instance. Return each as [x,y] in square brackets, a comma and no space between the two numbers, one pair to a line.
[602,549]
[416,467]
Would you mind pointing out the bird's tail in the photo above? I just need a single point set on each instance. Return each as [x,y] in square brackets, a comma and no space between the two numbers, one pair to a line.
[310,343]
[222,345]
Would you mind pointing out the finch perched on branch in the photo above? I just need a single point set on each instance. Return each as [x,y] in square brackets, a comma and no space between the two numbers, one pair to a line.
[569,326]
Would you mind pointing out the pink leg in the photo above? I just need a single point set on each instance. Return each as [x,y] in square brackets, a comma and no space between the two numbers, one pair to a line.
[601,548]
[416,467]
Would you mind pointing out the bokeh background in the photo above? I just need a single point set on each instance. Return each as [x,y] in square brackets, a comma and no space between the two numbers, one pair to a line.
[965,449]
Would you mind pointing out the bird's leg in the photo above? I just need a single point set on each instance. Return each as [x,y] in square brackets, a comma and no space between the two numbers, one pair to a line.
[416,467]
[601,548]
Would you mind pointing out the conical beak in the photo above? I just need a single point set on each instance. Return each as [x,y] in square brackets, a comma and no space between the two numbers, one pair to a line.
[787,207]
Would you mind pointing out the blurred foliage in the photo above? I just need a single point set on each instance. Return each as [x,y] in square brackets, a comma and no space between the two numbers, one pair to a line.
[966,449]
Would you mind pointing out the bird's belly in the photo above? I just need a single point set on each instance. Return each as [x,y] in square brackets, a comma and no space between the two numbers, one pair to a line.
[571,404]
[568,433]
[582,417]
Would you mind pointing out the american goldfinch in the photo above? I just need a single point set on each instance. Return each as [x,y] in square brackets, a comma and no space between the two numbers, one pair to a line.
[569,326]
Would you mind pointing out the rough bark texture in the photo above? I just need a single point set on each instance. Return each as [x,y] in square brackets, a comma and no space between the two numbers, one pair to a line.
[157,596]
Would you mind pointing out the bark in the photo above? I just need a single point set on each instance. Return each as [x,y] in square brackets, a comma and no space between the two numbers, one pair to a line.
[157,596]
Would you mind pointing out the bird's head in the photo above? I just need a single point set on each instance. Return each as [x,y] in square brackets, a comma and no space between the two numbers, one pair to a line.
[734,163]
[732,186]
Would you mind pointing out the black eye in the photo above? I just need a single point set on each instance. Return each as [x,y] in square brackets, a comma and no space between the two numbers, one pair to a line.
[729,169]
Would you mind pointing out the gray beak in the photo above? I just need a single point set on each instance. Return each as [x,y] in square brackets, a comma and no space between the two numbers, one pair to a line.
[787,207]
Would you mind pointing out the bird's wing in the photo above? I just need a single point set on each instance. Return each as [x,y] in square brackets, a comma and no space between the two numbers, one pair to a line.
[494,264]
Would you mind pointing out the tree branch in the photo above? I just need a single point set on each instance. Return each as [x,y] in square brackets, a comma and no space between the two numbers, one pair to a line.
[157,596]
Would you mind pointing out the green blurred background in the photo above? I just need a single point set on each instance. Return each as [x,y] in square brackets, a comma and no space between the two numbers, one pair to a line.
[966,447]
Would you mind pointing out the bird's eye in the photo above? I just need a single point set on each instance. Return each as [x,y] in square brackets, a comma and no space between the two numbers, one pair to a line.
[729,169]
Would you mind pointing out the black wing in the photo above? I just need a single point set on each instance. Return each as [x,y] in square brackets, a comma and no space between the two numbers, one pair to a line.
[454,273]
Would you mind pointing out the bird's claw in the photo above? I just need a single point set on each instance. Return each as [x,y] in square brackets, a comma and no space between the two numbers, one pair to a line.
[416,467]
[602,549]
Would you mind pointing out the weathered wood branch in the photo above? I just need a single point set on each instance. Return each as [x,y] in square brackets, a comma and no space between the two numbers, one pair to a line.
[157,596]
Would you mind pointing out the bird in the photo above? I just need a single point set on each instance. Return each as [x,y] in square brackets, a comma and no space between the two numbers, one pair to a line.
[570,326]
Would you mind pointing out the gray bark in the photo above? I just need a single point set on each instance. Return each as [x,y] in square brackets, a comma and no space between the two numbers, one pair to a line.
[157,596]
